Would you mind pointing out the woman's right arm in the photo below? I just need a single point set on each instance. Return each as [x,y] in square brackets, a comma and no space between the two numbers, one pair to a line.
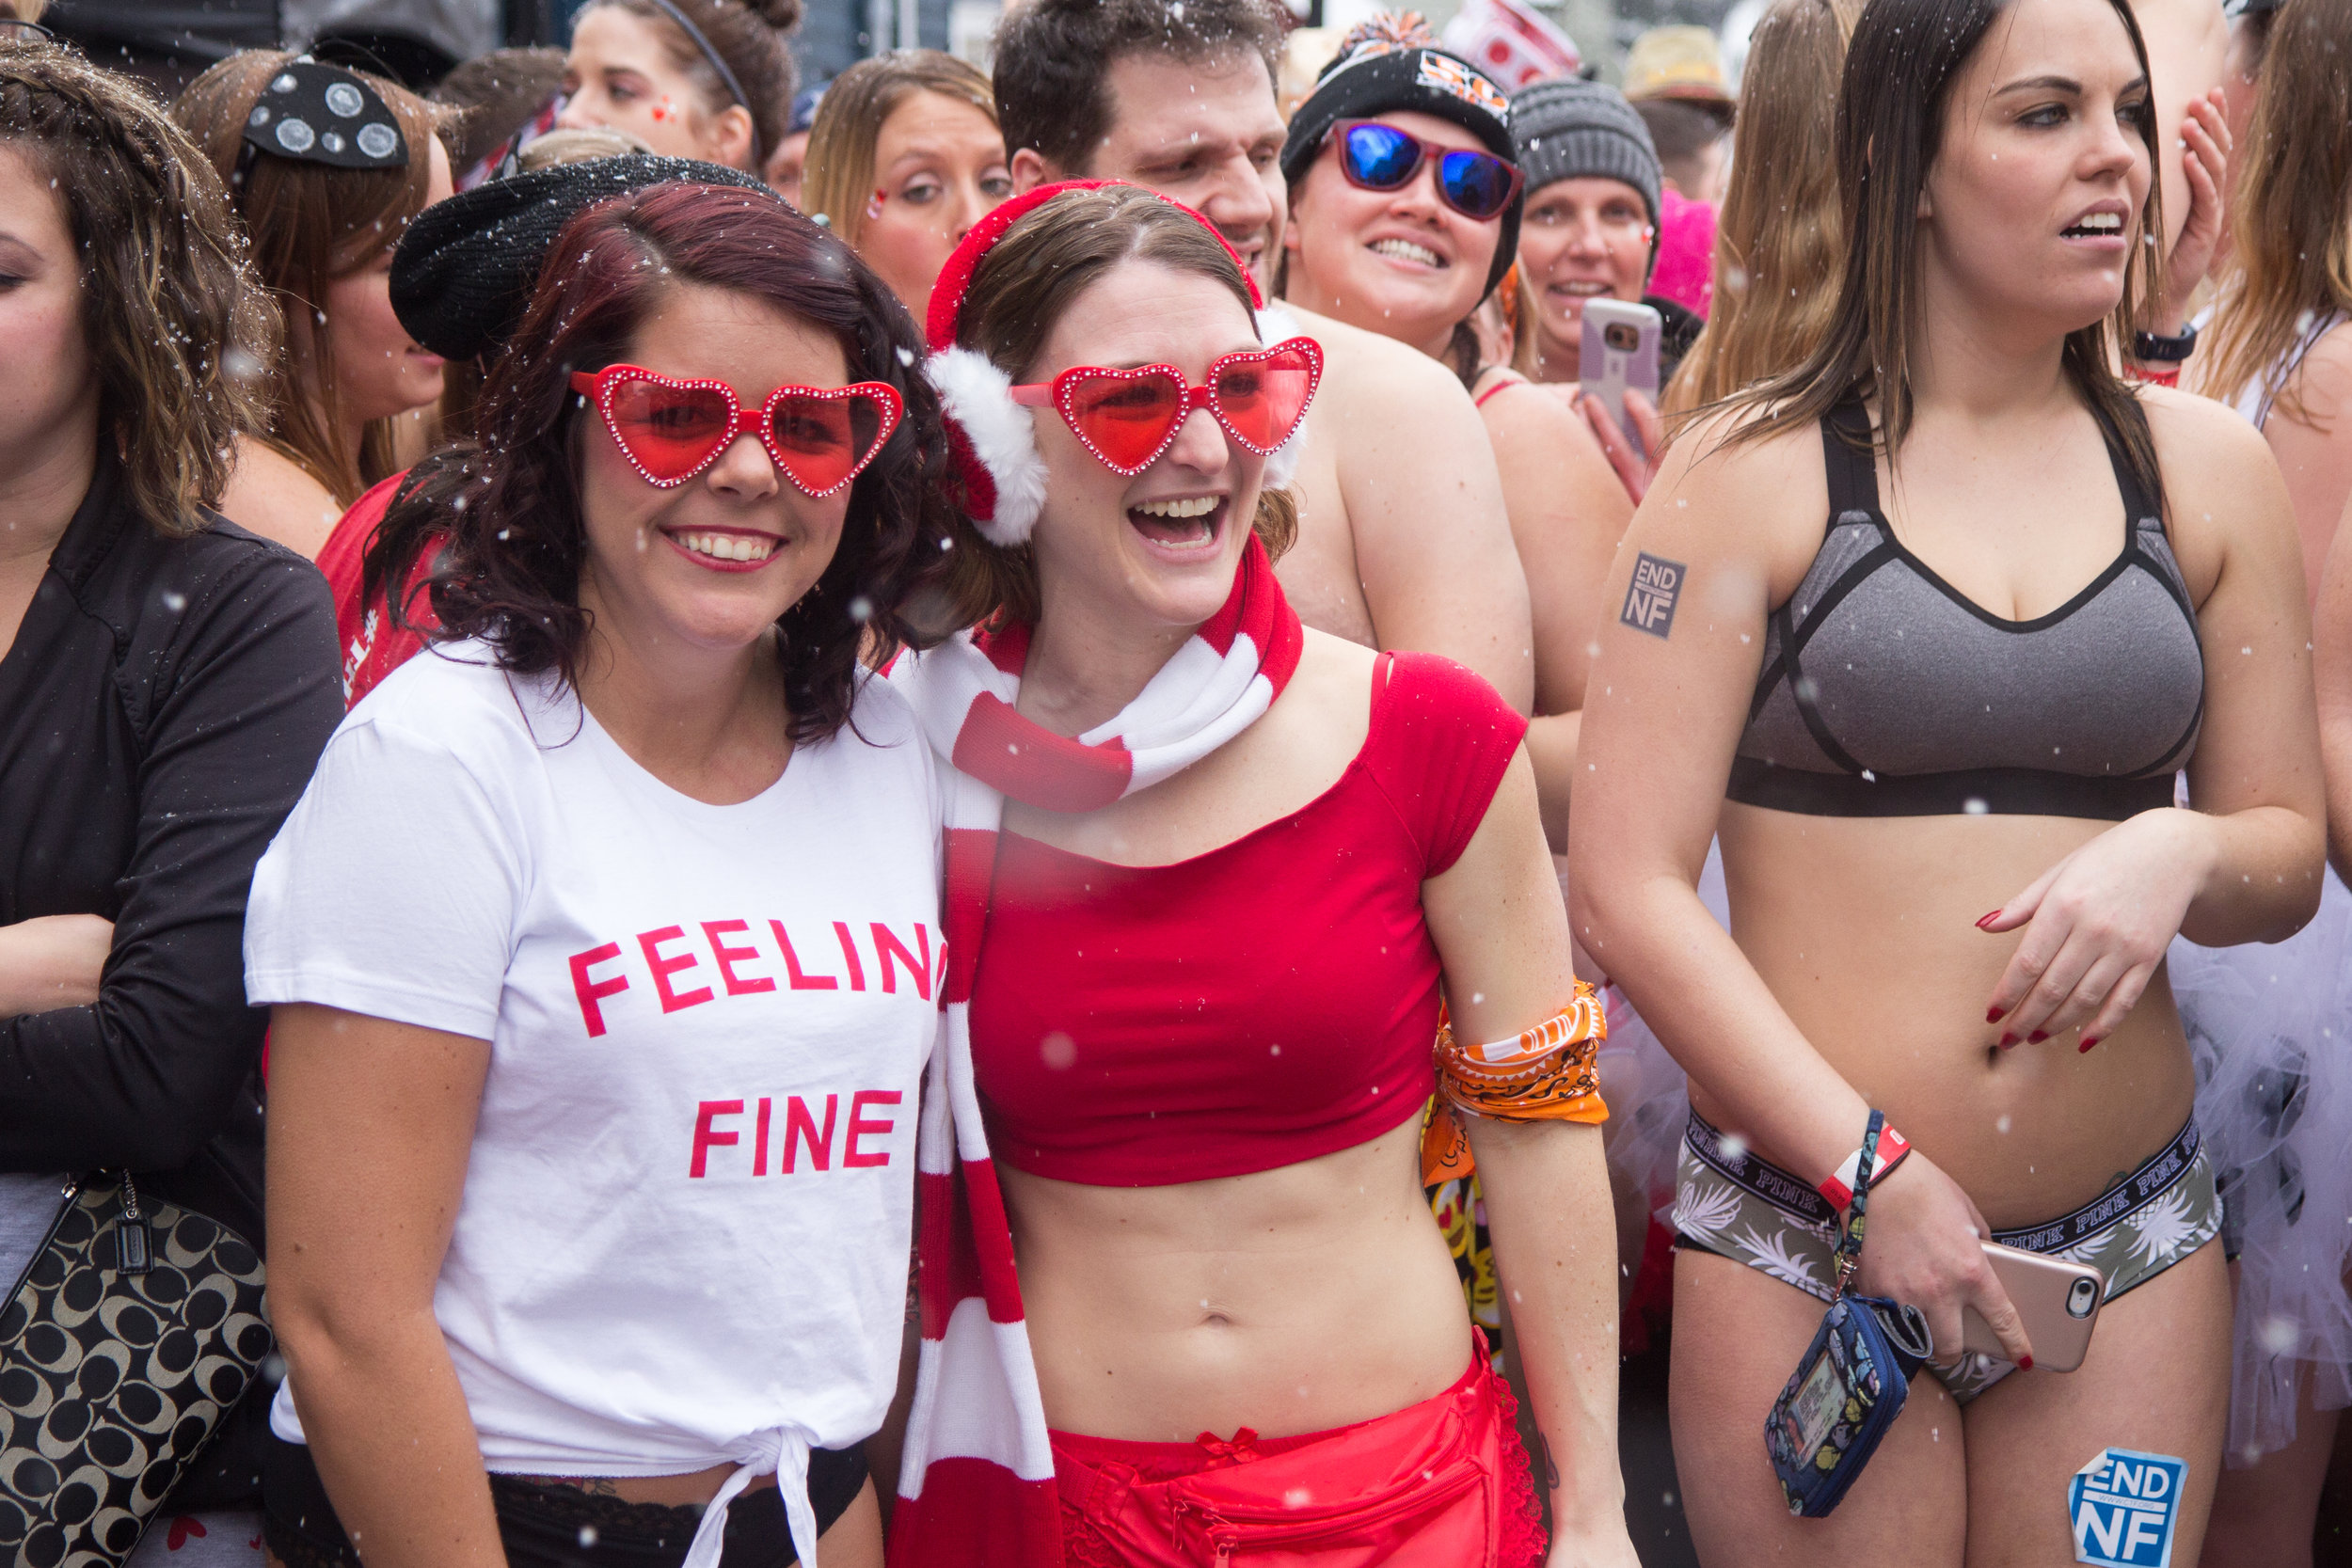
[1722,537]
[370,1127]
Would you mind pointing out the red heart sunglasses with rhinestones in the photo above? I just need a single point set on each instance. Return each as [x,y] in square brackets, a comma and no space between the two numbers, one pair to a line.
[671,430]
[1128,418]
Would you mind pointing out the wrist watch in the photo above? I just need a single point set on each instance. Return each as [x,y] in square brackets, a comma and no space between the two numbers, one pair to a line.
[2153,349]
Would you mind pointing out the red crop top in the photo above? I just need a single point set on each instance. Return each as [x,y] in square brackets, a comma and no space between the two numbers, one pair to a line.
[1270,1001]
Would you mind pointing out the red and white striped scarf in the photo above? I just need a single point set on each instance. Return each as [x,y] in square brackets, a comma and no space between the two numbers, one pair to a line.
[976,1482]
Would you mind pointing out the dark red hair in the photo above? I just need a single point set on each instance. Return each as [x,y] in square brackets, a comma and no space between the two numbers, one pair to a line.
[510,510]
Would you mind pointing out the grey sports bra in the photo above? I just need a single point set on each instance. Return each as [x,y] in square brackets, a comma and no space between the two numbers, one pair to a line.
[1887,692]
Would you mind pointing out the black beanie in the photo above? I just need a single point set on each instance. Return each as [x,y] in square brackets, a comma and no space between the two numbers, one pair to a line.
[465,270]
[1382,70]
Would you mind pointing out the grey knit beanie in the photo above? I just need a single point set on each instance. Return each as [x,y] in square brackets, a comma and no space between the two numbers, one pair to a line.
[1571,130]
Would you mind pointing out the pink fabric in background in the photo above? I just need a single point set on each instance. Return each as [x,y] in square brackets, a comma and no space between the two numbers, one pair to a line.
[1686,251]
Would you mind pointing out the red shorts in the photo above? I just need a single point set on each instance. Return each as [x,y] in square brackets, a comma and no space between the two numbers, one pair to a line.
[1440,1485]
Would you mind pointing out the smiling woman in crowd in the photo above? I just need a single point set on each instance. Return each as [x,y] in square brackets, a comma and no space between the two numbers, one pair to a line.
[603,946]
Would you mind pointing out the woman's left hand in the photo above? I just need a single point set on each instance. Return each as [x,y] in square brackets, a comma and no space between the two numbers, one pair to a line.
[2205,162]
[2096,925]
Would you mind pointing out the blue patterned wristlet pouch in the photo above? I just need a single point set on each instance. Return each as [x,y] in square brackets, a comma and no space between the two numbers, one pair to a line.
[1852,1379]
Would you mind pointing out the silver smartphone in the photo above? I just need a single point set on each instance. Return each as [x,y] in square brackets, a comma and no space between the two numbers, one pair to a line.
[2058,1302]
[1620,354]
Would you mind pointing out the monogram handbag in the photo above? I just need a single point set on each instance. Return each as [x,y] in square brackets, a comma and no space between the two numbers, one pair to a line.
[1852,1379]
[127,1340]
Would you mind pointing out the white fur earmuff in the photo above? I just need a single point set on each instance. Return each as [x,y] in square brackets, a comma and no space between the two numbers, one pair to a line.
[1007,492]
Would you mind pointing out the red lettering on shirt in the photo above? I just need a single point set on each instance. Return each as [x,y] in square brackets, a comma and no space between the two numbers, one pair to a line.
[759,1140]
[798,1121]
[737,985]
[860,1127]
[792,964]
[886,944]
[705,1139]
[591,993]
[650,941]
[848,951]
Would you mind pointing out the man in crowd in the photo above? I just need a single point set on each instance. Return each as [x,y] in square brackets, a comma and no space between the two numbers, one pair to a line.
[1402,540]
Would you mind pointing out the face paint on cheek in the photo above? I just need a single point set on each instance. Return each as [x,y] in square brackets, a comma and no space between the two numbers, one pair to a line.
[664,109]
[874,203]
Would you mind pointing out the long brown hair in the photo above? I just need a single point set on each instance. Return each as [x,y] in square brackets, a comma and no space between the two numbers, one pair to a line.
[2291,228]
[1900,66]
[178,326]
[1779,234]
[1018,296]
[841,167]
[311,224]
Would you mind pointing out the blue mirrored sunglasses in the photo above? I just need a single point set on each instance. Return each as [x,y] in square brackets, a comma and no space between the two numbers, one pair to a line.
[1374,156]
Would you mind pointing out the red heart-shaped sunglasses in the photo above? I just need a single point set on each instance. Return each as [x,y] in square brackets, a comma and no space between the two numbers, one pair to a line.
[1128,418]
[671,430]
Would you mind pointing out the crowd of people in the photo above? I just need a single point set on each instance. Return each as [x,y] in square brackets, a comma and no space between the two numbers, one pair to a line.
[1083,816]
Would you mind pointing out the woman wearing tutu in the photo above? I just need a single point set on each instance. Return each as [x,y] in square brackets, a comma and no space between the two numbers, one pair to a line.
[2271,1025]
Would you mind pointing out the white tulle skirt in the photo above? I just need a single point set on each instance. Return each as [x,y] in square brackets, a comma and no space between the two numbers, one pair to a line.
[2269,1025]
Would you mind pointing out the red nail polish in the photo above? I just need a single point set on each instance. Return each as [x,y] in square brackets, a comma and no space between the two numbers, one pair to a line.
[2088,1040]
[1995,1015]
[1988,920]
[2025,1363]
[2007,1040]
[2037,1036]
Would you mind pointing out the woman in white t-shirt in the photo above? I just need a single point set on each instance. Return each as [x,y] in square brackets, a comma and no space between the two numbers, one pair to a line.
[605,944]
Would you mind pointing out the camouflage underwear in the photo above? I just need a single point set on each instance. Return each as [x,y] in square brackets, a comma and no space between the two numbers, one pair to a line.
[1739,1206]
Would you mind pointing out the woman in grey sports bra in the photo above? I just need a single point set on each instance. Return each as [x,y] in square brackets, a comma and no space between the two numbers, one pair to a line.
[1924,628]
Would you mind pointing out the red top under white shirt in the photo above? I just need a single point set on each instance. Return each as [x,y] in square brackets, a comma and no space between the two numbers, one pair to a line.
[1270,1001]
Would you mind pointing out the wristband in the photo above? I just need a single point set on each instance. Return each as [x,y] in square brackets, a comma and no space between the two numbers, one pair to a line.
[2164,351]
[1893,1146]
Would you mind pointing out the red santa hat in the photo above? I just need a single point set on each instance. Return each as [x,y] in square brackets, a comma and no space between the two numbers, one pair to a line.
[994,439]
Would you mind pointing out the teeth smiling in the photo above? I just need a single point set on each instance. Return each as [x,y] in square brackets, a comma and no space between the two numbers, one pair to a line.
[727,546]
[2100,223]
[1406,250]
[1191,506]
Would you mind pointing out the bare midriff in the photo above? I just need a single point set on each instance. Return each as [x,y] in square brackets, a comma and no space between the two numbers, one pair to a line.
[698,1486]
[1288,1301]
[1865,930]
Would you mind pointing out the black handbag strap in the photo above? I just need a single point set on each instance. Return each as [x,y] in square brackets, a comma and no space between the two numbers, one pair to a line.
[1849,1239]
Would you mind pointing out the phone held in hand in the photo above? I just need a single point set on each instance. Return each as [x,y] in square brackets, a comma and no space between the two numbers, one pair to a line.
[2058,1302]
[1620,354]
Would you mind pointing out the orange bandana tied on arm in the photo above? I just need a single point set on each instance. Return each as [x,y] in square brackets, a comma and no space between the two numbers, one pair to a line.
[1548,1073]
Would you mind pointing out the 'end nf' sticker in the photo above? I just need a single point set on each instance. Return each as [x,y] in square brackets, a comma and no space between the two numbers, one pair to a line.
[2124,1506]
[1649,599]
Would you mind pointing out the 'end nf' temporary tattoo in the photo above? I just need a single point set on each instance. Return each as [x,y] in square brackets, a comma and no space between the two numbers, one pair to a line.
[1649,600]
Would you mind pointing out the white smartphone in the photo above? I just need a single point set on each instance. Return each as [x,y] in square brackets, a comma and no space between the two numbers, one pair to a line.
[2057,1301]
[1619,354]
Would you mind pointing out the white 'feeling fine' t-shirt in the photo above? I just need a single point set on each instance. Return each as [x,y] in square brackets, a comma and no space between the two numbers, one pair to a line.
[685,1223]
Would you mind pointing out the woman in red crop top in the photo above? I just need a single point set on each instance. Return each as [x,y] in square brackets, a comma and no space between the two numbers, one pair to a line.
[1205,978]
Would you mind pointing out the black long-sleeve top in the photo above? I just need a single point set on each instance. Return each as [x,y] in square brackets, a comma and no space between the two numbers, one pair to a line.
[160,712]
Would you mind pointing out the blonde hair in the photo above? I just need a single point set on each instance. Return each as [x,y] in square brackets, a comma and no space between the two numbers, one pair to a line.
[310,223]
[1780,237]
[840,172]
[2291,228]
